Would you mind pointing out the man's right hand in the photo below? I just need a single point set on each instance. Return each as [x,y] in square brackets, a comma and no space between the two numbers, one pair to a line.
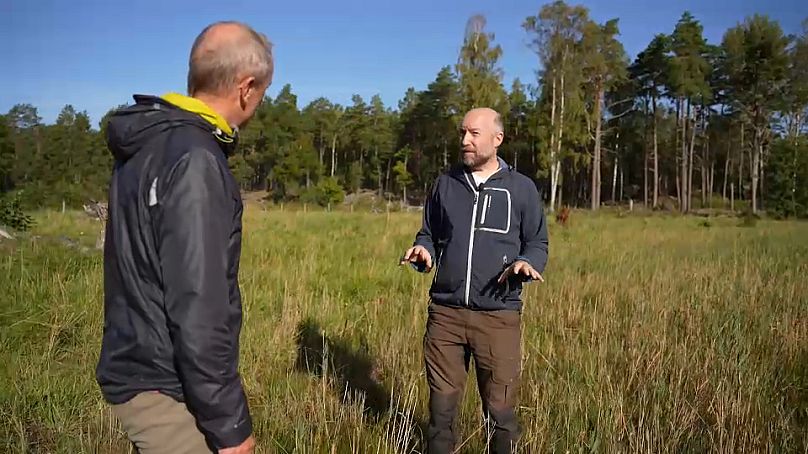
[246,447]
[417,254]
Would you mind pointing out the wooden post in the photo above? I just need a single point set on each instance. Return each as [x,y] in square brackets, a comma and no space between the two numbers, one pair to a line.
[630,205]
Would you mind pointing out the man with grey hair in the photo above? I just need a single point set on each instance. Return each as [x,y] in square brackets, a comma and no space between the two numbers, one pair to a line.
[484,231]
[172,304]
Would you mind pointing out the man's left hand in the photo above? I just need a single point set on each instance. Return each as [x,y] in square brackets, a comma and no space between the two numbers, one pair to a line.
[520,268]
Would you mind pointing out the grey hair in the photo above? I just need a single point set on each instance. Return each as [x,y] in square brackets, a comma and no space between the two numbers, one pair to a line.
[213,69]
[498,123]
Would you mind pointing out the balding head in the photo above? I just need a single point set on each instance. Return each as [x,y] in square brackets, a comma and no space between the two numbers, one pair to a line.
[225,53]
[482,134]
[488,115]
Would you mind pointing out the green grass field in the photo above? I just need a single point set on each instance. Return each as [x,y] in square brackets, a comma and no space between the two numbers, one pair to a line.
[651,334]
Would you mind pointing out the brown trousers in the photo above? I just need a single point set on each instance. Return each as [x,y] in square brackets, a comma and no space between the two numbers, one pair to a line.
[158,424]
[453,336]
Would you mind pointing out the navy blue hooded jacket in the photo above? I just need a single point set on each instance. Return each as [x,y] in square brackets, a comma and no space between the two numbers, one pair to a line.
[474,233]
[172,304]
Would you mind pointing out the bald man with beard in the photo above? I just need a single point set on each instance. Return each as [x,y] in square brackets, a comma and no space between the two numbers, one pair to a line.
[484,232]
[172,304]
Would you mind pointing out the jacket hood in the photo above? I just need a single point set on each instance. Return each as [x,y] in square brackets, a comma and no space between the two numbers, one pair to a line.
[130,128]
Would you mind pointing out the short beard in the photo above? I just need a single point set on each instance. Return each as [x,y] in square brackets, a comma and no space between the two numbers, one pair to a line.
[475,161]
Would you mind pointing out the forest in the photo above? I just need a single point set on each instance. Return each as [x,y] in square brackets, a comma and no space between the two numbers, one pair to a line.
[687,125]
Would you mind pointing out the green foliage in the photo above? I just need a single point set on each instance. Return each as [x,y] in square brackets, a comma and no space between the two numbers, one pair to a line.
[12,214]
[689,69]
[403,177]
[787,179]
[327,192]
[242,171]
[353,179]
[479,74]
[66,162]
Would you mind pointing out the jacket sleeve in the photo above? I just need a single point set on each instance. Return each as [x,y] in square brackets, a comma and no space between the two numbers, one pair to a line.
[535,244]
[193,237]
[431,219]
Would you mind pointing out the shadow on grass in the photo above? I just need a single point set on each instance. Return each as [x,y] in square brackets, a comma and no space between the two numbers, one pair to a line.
[354,373]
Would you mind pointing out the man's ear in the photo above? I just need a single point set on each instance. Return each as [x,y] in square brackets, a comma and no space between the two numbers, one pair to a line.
[498,138]
[247,88]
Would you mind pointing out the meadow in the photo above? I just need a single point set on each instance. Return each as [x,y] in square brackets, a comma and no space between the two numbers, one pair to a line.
[652,333]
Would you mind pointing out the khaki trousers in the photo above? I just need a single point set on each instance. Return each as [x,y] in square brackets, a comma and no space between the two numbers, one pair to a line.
[158,424]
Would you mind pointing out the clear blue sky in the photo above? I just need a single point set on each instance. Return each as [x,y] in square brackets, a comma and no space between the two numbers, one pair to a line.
[95,54]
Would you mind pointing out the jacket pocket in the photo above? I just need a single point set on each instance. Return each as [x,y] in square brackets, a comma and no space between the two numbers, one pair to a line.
[449,272]
[495,212]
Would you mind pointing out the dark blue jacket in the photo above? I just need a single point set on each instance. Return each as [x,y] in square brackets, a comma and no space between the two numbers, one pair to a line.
[474,233]
[172,305]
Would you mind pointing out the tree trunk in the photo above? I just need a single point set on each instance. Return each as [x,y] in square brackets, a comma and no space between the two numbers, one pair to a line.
[679,186]
[704,178]
[555,162]
[387,177]
[679,171]
[796,130]
[404,186]
[559,141]
[645,179]
[333,154]
[656,156]
[614,181]
[690,160]
[322,147]
[732,197]
[762,176]
[379,175]
[684,202]
[596,158]
[622,184]
[727,166]
[552,144]
[755,168]
[740,165]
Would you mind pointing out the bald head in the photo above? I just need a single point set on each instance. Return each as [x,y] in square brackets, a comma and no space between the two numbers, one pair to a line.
[486,115]
[224,54]
[482,134]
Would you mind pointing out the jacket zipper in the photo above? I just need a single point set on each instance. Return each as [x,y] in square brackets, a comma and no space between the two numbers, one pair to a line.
[471,241]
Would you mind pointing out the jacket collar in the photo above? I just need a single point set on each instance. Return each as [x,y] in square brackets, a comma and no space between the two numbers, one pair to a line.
[461,172]
[198,107]
[198,113]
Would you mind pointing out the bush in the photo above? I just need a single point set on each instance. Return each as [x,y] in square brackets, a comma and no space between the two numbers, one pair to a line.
[326,192]
[12,215]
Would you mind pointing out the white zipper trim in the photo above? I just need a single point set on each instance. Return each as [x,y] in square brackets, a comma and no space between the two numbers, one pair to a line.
[486,202]
[471,240]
